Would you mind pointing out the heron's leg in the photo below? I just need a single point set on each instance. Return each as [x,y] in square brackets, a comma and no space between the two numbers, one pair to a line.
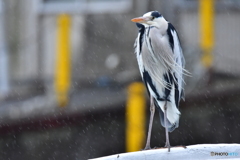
[152,111]
[166,128]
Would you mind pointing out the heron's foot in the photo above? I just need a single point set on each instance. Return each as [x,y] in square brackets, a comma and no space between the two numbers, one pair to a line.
[167,145]
[174,147]
[181,146]
[146,148]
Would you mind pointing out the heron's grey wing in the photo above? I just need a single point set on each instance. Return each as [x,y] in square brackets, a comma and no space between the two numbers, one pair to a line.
[167,50]
[180,61]
[155,69]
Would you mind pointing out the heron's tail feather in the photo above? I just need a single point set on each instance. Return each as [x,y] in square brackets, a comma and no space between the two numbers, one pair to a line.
[173,115]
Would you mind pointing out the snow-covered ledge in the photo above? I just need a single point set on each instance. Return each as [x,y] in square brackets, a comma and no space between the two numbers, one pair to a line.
[200,151]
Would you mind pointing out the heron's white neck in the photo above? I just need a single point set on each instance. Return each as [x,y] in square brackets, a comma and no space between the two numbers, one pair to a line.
[161,24]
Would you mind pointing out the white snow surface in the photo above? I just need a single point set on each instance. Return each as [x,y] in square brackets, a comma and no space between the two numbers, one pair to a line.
[192,152]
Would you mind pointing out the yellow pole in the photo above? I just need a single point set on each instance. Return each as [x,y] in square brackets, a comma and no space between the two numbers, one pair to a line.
[135,117]
[206,20]
[63,69]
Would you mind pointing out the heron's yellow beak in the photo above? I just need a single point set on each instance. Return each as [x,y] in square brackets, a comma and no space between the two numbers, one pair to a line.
[139,20]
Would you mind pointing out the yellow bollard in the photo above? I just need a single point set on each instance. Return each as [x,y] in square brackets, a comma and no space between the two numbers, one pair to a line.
[62,78]
[135,117]
[206,21]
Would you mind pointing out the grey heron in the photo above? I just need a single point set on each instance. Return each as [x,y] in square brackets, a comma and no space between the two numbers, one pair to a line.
[161,64]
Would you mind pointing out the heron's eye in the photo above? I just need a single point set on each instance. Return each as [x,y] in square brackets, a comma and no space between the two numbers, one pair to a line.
[152,18]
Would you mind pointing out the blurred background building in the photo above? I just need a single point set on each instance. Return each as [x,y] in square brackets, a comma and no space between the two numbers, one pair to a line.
[65,66]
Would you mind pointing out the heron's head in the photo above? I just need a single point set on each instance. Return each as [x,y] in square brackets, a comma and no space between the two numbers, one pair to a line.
[153,18]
